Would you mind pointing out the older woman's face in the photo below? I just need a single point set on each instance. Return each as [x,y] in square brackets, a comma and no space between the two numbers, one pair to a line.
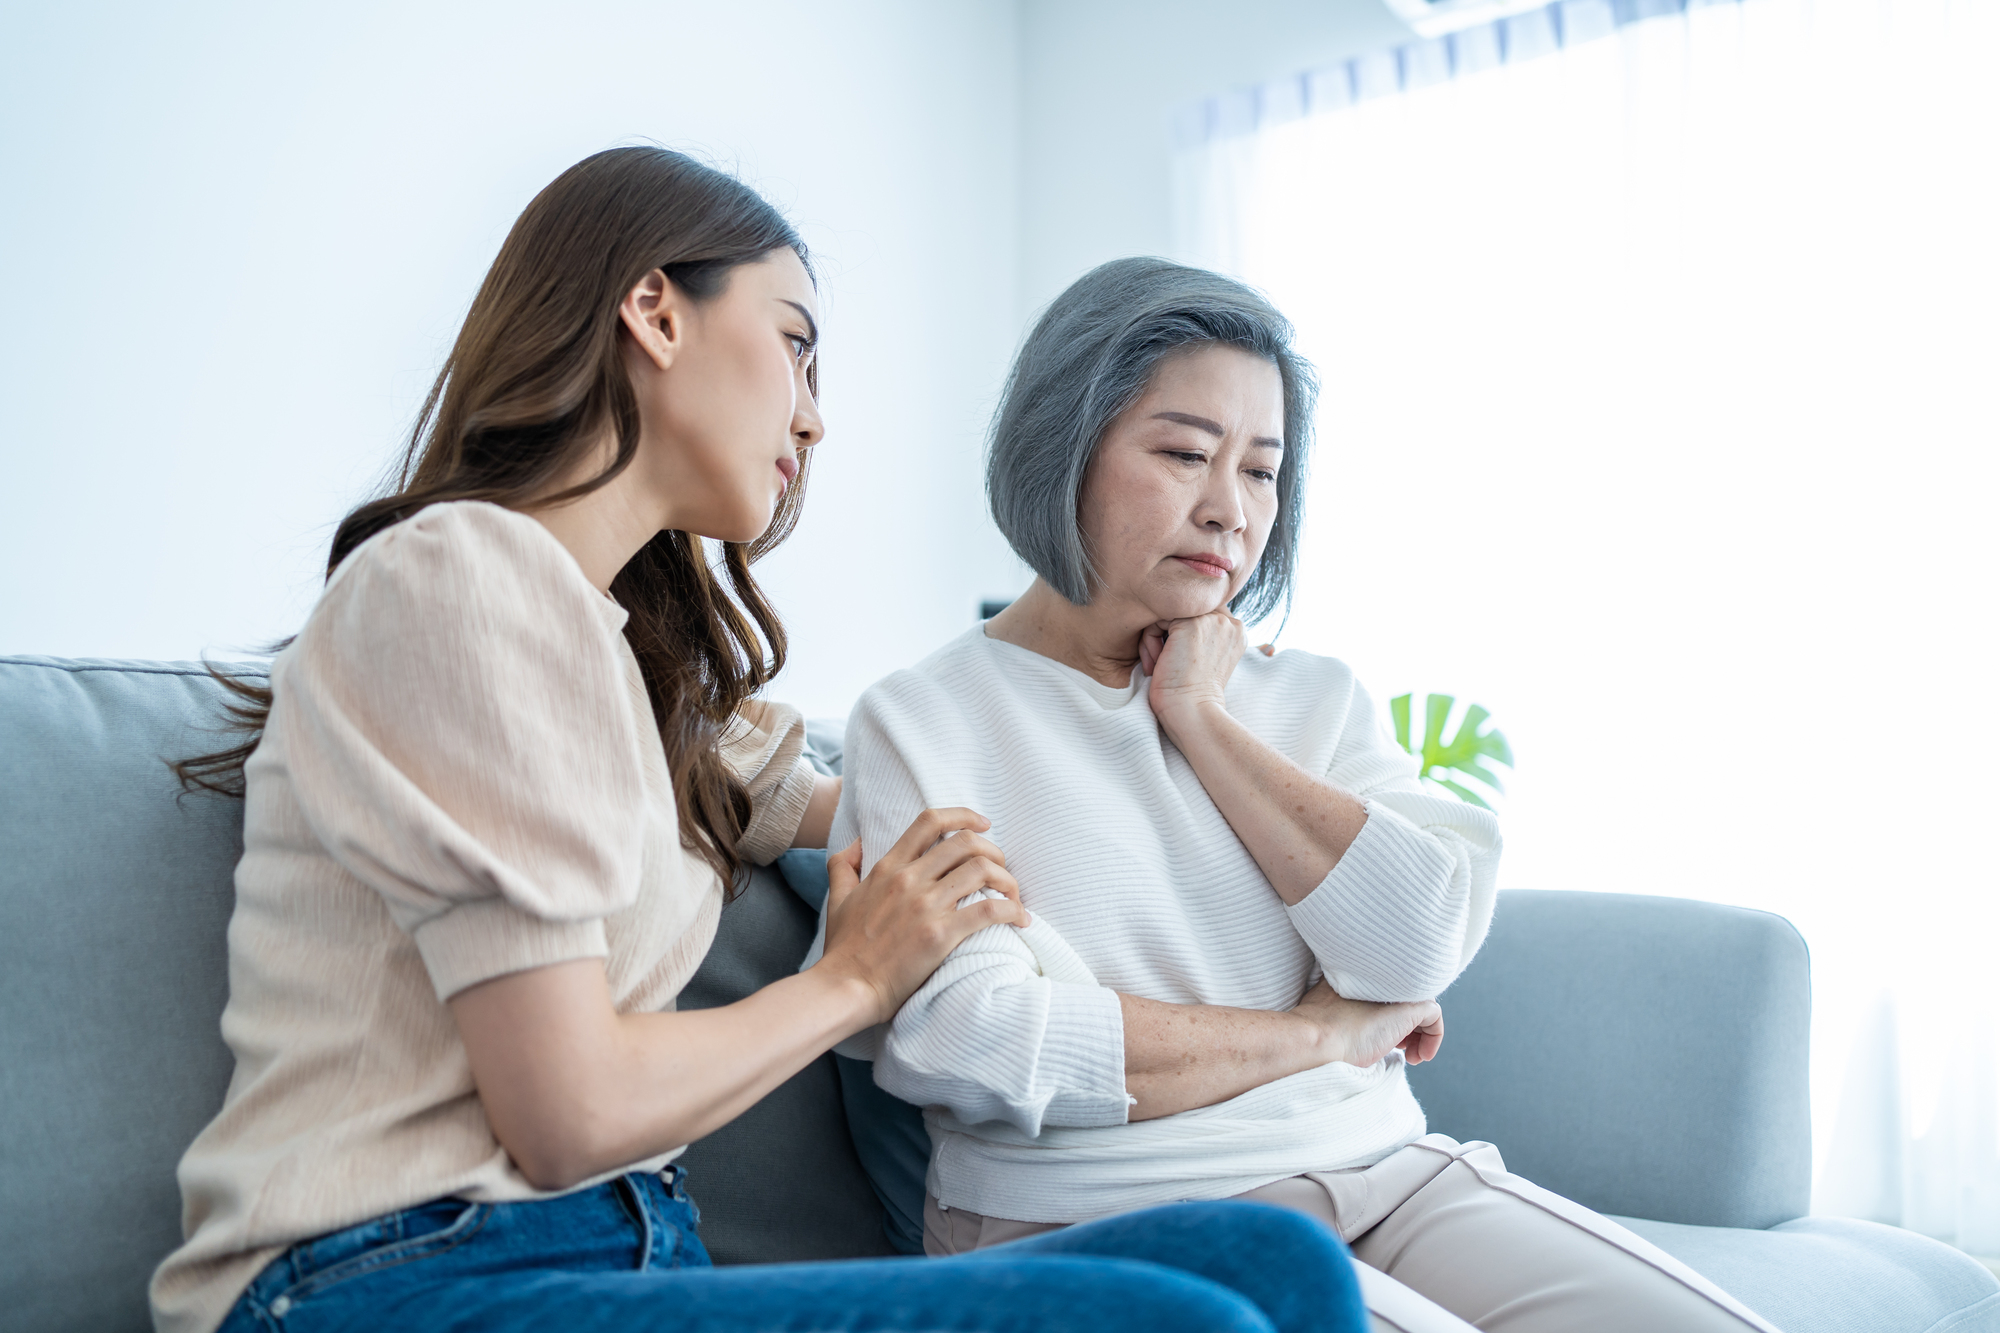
[1183,491]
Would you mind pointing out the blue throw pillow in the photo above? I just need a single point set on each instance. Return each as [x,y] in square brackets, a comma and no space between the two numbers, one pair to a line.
[888,1132]
[894,1148]
[804,872]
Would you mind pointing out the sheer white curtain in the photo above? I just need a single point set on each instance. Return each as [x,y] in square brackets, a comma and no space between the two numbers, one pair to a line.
[1660,418]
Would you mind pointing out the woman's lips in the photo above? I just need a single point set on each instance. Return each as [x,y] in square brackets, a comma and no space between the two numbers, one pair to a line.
[789,467]
[1214,566]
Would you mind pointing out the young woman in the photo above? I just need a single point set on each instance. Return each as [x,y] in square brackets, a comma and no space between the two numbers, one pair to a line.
[494,794]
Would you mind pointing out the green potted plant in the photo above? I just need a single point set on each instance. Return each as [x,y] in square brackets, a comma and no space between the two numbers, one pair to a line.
[1462,754]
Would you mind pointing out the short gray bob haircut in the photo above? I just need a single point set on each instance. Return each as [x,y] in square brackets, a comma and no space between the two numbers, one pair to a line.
[1089,358]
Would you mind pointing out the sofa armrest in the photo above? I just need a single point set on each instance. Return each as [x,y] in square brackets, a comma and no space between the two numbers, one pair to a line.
[1643,1056]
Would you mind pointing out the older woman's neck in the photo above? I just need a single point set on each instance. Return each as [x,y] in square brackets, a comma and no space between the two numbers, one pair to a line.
[1094,639]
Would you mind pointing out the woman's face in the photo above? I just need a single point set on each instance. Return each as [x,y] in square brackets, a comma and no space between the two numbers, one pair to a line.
[1180,499]
[724,404]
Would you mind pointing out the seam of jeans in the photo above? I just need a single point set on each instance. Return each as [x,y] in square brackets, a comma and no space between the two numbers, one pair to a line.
[393,1254]
[642,1209]
[1459,1156]
[1571,1222]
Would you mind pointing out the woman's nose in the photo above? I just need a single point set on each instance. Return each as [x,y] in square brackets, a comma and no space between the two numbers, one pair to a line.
[1221,508]
[807,428]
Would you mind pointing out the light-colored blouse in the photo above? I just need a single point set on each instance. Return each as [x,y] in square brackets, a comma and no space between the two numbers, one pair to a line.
[460,777]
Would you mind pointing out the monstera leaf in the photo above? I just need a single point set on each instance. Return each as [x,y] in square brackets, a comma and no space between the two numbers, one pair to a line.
[1461,754]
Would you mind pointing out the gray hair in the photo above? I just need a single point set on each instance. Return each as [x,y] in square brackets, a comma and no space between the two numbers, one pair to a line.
[1090,357]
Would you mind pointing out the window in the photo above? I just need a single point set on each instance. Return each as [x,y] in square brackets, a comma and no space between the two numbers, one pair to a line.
[1660,418]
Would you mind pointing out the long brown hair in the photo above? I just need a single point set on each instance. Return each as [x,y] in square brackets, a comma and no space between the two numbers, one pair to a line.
[533,382]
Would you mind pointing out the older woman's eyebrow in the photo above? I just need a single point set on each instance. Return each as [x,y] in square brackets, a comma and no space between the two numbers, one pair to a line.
[1214,428]
[1188,419]
[812,325]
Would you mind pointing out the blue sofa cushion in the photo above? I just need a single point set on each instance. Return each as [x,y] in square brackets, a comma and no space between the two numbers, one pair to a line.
[115,894]
[1642,1056]
[1838,1275]
[894,1149]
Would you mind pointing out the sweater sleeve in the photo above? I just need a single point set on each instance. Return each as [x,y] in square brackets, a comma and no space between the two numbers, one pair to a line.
[766,746]
[1407,906]
[989,1035]
[459,732]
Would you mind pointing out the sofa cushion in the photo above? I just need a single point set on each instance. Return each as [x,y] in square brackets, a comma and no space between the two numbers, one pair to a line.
[1838,1275]
[1643,1056]
[781,1182]
[889,1136]
[114,900]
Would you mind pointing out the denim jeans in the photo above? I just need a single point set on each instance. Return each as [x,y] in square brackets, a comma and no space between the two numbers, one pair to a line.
[623,1257]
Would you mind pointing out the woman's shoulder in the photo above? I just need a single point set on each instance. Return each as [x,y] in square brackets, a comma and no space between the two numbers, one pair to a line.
[458,577]
[1299,697]
[941,681]
[1293,668]
[468,560]
[466,536]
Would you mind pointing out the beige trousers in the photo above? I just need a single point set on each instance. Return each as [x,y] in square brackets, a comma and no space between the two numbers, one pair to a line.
[1449,1240]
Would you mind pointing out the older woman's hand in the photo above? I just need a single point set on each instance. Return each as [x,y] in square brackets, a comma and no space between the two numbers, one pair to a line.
[1356,1032]
[1296,824]
[1190,662]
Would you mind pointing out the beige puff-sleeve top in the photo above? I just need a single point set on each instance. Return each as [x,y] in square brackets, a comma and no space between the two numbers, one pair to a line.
[460,778]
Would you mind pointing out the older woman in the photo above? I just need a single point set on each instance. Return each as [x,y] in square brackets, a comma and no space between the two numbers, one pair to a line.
[1243,903]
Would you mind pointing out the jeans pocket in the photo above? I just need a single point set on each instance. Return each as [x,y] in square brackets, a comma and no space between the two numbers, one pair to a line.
[385,1242]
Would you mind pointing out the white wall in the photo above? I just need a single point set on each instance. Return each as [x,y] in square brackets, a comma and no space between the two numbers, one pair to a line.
[1098,83]
[238,238]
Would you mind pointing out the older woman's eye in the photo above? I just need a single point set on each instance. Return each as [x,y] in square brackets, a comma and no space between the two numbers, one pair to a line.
[1263,474]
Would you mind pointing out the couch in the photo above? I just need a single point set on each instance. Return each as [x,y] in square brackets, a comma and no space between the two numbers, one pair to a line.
[1645,1056]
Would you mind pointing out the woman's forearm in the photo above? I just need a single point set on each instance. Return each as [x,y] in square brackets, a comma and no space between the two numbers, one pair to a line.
[572,1088]
[1180,1056]
[818,820]
[1296,826]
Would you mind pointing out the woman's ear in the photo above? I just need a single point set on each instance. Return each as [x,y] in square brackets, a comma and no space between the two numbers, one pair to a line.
[655,314]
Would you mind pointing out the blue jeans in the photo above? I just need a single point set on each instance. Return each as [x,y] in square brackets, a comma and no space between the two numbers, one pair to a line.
[623,1257]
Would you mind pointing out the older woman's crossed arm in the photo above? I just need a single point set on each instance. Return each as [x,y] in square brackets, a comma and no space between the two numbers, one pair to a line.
[999,1033]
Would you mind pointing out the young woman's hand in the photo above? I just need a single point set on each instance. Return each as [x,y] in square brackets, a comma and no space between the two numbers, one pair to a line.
[1358,1033]
[891,930]
[1190,662]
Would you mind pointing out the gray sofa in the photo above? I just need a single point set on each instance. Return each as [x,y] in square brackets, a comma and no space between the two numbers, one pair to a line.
[1645,1056]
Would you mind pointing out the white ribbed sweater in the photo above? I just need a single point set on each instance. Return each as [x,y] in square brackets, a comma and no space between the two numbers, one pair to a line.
[1139,885]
